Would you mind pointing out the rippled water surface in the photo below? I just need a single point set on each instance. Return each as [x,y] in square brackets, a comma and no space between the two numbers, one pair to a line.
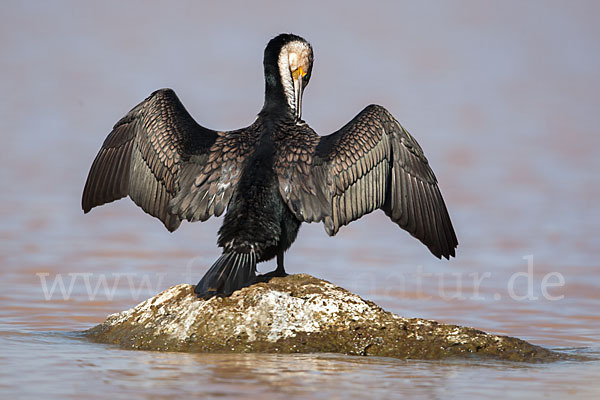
[503,97]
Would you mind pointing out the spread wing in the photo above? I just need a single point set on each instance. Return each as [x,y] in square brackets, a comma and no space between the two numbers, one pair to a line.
[372,163]
[208,180]
[155,154]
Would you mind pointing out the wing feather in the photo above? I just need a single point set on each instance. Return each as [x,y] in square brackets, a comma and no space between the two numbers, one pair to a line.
[371,163]
[209,185]
[166,162]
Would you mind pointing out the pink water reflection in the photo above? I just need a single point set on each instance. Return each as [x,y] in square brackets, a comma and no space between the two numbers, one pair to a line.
[501,95]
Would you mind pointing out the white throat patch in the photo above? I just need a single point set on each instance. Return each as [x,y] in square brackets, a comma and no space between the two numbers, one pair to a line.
[292,56]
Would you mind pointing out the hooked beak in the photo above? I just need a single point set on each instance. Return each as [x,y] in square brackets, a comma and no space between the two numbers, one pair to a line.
[298,88]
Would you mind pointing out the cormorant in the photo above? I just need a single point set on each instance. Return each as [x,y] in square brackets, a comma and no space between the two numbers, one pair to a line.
[270,176]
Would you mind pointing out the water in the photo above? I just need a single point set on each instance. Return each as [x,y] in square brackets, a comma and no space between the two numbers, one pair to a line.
[501,95]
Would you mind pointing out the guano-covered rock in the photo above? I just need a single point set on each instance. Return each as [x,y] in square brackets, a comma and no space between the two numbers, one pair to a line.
[298,314]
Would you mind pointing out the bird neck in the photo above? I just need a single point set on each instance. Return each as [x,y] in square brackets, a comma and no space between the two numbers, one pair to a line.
[278,102]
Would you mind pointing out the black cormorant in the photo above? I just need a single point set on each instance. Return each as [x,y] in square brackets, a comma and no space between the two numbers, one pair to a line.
[270,176]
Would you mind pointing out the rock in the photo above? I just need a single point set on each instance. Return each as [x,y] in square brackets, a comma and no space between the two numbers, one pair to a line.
[298,314]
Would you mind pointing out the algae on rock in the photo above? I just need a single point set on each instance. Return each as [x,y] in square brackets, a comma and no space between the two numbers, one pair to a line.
[298,314]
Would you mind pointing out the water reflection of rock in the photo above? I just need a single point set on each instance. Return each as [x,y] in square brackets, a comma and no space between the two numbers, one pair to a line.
[298,314]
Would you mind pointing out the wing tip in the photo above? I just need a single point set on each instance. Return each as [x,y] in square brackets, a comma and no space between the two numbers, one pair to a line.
[86,203]
[440,254]
[452,251]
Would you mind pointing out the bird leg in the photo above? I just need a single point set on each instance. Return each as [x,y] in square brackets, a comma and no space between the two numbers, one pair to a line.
[279,272]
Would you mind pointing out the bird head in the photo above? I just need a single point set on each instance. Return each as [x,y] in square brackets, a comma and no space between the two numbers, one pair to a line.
[288,64]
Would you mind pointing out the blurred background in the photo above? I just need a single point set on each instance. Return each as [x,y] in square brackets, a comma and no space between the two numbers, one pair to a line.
[502,96]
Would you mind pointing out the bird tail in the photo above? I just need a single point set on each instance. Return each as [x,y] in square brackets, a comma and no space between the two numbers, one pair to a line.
[231,272]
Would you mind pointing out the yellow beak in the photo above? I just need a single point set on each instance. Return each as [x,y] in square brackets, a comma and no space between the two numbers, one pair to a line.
[297,76]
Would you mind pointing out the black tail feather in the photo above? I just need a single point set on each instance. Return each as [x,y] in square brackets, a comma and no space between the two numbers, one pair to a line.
[231,272]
